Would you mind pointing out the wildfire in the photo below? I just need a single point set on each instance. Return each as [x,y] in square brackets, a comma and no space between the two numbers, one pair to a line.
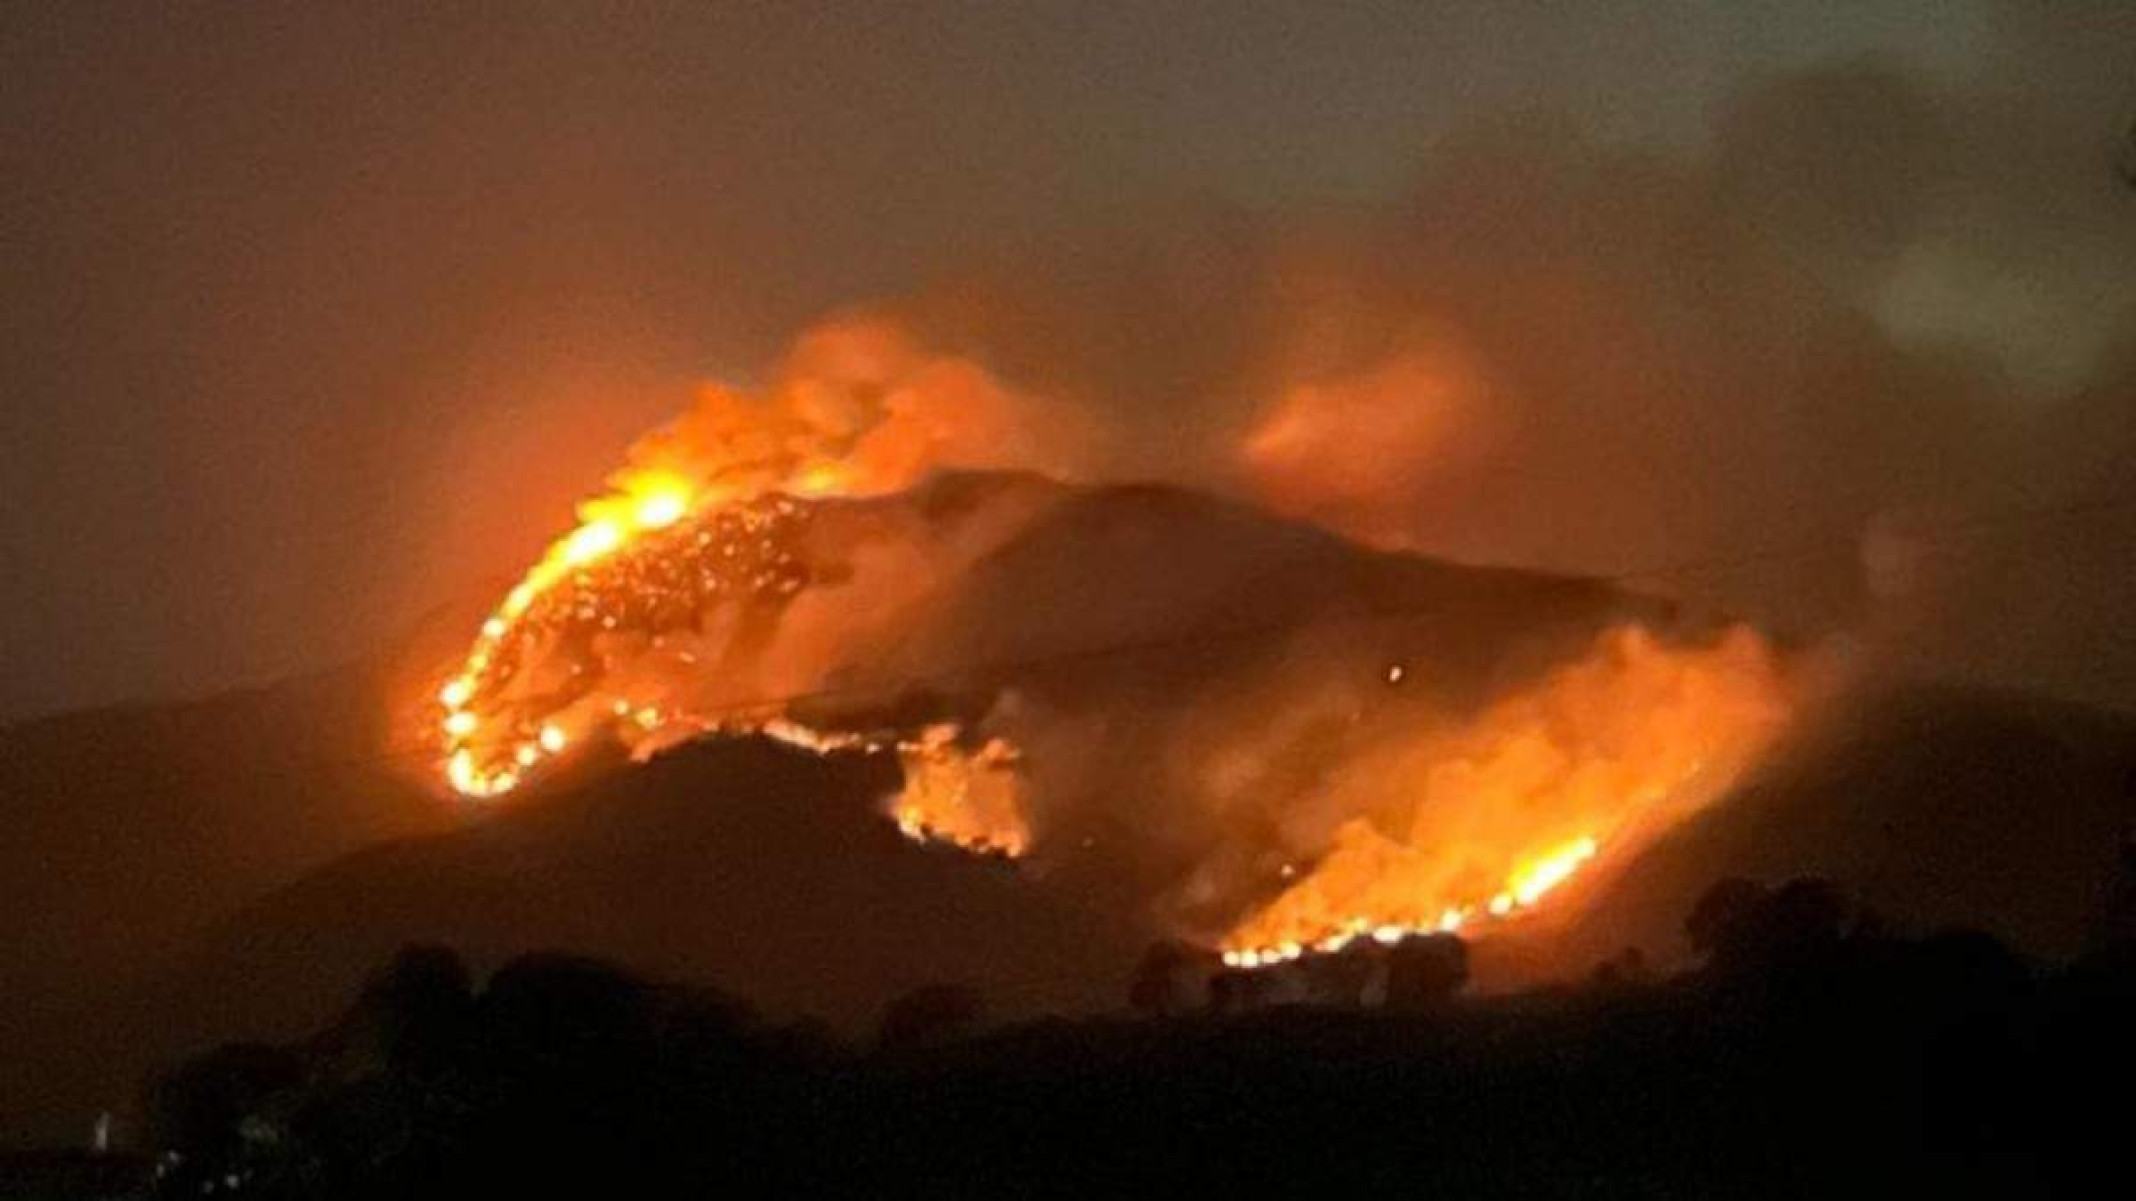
[486,762]
[695,531]
[1528,886]
[971,799]
[1523,889]
[1500,811]
[1423,808]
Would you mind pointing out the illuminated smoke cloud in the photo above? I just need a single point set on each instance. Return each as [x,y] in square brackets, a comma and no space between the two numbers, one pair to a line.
[1295,742]
[688,561]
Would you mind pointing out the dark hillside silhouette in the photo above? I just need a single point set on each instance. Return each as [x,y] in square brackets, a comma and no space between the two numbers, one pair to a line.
[1811,1053]
[132,831]
[1934,806]
[757,864]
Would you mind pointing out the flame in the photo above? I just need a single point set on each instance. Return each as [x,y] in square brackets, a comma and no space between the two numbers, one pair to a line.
[1531,882]
[1355,451]
[859,409]
[1490,816]
[643,501]
[640,626]
[970,799]
[1523,889]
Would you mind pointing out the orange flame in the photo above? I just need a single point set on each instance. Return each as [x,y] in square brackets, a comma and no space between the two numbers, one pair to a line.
[971,799]
[859,409]
[1479,822]
[1454,823]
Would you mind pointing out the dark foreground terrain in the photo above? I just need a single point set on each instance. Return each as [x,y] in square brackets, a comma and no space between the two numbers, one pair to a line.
[176,875]
[1811,1054]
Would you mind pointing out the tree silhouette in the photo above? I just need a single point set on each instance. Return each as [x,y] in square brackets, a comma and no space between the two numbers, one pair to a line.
[1344,977]
[1238,990]
[1166,980]
[213,1107]
[1625,969]
[930,1014]
[1934,1060]
[1425,971]
[415,1011]
[1739,925]
[1720,912]
[563,1012]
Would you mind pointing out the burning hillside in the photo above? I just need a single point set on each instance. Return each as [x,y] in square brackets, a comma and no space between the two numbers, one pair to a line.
[1283,741]
[689,562]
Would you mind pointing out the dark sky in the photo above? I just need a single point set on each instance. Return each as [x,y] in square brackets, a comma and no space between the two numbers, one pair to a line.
[316,315]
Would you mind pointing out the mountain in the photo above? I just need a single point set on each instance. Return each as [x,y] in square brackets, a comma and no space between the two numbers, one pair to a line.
[181,875]
[744,863]
[769,872]
[131,831]
[1936,807]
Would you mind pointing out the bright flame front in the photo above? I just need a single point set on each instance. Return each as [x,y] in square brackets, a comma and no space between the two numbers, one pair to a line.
[1480,820]
[1447,818]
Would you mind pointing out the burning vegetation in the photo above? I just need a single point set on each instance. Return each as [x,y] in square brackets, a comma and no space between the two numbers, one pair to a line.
[972,798]
[688,562]
[778,565]
[1478,820]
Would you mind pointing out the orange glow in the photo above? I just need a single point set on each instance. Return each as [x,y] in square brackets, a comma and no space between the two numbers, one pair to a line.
[821,479]
[1531,882]
[643,624]
[1346,450]
[590,542]
[859,410]
[1484,819]
[661,509]
[969,798]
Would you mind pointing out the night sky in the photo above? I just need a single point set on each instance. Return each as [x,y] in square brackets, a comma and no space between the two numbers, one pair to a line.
[317,317]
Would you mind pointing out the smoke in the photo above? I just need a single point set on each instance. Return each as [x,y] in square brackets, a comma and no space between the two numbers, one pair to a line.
[1280,740]
[657,610]
[1731,372]
[857,407]
[1717,373]
[405,284]
[1793,370]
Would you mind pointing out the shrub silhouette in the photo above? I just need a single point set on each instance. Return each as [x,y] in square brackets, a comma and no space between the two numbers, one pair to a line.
[927,1015]
[1813,1053]
[1167,980]
[1425,971]
[1740,926]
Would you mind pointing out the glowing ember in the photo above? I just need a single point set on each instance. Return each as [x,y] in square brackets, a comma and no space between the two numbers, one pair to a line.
[661,509]
[696,526]
[1525,888]
[1498,812]
[1378,801]
[1529,885]
[971,799]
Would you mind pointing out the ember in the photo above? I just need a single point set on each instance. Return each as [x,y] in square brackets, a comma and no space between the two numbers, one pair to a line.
[712,590]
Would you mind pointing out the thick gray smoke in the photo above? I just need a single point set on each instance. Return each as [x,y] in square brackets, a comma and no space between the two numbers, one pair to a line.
[319,319]
[1860,362]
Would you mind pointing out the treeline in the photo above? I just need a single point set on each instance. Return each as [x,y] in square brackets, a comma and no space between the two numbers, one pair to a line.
[1812,1052]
